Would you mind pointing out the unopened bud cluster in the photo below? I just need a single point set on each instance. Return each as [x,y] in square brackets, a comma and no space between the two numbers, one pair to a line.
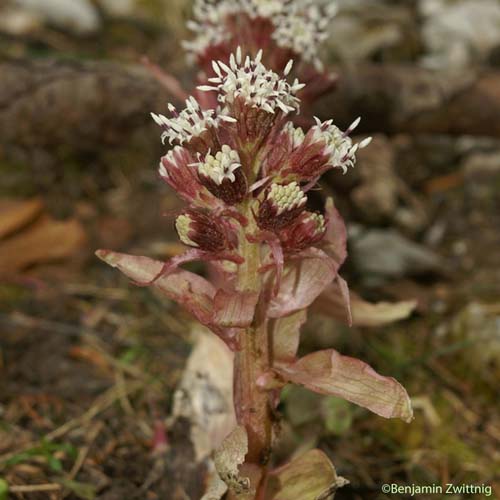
[244,164]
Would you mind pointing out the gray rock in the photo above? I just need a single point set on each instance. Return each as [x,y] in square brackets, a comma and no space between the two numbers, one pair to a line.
[363,28]
[380,255]
[482,180]
[79,16]
[381,194]
[459,32]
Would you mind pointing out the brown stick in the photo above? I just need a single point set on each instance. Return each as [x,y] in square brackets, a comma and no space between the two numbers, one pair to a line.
[32,488]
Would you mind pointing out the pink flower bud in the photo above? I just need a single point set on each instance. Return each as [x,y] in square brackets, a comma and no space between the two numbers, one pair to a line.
[176,172]
[281,207]
[325,146]
[200,230]
[193,127]
[308,230]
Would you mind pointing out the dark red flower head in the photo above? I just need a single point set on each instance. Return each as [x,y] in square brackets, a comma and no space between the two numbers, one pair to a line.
[175,171]
[203,231]
[193,127]
[281,206]
[308,230]
[223,175]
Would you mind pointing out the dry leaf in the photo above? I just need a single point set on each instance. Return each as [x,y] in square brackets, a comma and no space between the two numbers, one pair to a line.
[381,313]
[90,355]
[216,488]
[14,214]
[44,241]
[334,302]
[229,457]
[205,394]
[309,477]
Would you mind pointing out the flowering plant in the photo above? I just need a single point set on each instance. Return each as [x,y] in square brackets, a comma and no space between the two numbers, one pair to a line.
[244,171]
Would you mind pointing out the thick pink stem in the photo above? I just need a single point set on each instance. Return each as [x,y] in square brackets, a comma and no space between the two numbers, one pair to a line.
[252,404]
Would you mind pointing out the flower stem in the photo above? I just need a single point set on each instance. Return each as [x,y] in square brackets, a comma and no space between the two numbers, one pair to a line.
[251,403]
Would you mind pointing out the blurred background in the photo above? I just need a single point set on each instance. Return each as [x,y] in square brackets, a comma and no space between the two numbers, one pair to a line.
[89,364]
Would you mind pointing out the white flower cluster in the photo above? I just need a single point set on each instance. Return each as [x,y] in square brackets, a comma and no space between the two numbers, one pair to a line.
[302,28]
[286,197]
[208,24]
[221,166]
[189,123]
[252,81]
[339,145]
[263,8]
[300,25]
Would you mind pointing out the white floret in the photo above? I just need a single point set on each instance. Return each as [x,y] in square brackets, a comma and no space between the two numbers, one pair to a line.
[191,122]
[339,146]
[302,27]
[319,222]
[296,134]
[221,166]
[263,8]
[170,158]
[208,24]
